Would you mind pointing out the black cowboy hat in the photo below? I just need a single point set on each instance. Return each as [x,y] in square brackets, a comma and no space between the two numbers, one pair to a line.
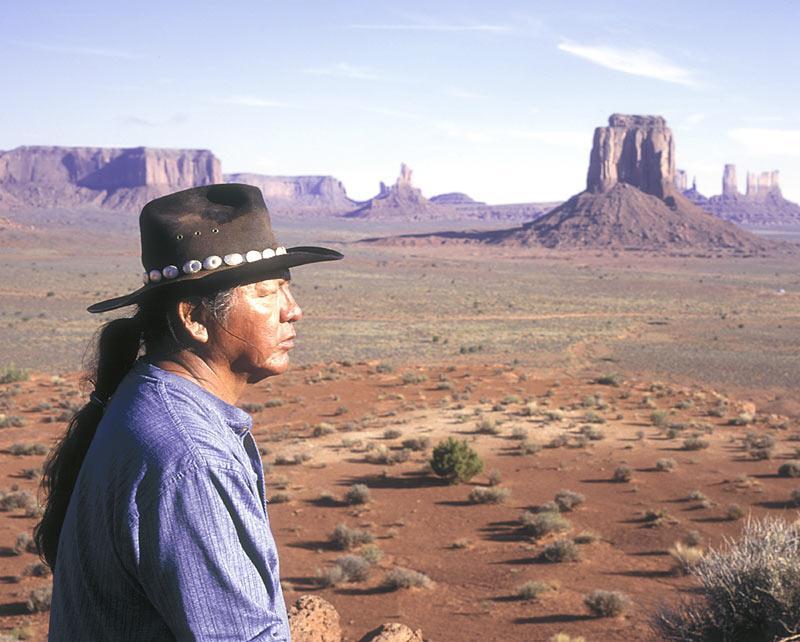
[210,238]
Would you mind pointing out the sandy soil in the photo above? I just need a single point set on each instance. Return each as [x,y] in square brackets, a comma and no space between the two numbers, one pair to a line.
[416,520]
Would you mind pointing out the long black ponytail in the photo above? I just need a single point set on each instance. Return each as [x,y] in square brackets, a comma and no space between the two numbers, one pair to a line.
[156,328]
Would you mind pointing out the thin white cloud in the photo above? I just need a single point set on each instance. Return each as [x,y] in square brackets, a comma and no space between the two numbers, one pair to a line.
[768,142]
[97,52]
[391,113]
[343,70]
[456,92]
[637,62]
[561,138]
[251,101]
[485,28]
[175,119]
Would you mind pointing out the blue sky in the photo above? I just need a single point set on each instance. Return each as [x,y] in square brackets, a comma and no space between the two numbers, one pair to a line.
[495,99]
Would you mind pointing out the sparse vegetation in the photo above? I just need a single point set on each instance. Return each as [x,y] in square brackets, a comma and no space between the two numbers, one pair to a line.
[622,474]
[455,461]
[358,494]
[417,443]
[566,500]
[403,578]
[562,550]
[695,443]
[13,374]
[666,465]
[490,495]
[606,603]
[540,524]
[39,599]
[346,538]
[748,589]
[686,557]
[789,469]
[532,590]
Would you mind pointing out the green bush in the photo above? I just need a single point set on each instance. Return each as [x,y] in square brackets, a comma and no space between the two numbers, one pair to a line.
[12,374]
[455,461]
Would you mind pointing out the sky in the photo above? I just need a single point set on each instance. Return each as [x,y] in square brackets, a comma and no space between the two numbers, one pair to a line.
[495,99]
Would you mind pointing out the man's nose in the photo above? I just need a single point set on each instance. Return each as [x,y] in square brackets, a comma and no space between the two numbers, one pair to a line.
[291,311]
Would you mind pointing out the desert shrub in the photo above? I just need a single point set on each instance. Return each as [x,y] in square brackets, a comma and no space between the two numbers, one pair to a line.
[557,442]
[17,499]
[528,447]
[346,538]
[684,404]
[609,380]
[789,469]
[487,426]
[24,544]
[358,494]
[37,569]
[354,568]
[519,433]
[39,599]
[566,500]
[742,419]
[531,590]
[13,374]
[606,603]
[414,377]
[592,433]
[400,577]
[372,553]
[593,418]
[382,455]
[666,465]
[695,443]
[655,517]
[659,418]
[562,550]
[455,461]
[760,453]
[392,433]
[281,497]
[322,429]
[554,415]
[330,576]
[461,543]
[622,474]
[697,496]
[586,537]
[495,477]
[252,408]
[796,496]
[417,443]
[685,557]
[11,421]
[491,495]
[19,450]
[749,589]
[734,512]
[529,409]
[540,524]
[754,441]
[693,538]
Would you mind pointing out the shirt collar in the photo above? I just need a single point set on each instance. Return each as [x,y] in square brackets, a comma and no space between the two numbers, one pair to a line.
[235,418]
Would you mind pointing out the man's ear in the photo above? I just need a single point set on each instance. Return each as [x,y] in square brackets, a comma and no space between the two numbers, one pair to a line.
[192,320]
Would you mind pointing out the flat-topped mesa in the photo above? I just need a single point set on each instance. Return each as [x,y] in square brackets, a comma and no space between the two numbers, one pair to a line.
[633,149]
[109,169]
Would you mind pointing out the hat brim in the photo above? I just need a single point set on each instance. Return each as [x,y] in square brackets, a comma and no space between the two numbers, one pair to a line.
[225,276]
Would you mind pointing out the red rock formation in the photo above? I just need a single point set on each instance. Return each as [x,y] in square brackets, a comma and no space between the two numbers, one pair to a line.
[637,150]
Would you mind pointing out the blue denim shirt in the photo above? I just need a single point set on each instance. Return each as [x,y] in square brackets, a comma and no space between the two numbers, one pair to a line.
[166,535]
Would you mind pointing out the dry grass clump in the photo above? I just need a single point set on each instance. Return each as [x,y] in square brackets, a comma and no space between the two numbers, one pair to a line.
[392,433]
[685,557]
[734,512]
[13,374]
[488,495]
[385,457]
[565,637]
[562,550]
[586,537]
[281,497]
[39,599]
[417,444]
[345,538]
[795,497]
[17,499]
[566,500]
[403,578]
[528,447]
[322,429]
[749,589]
[358,494]
[532,590]
[789,469]
[622,474]
[666,465]
[21,450]
[695,443]
[606,603]
[487,426]
[659,418]
[540,524]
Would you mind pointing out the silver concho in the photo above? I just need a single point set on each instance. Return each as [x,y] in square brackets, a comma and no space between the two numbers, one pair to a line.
[170,272]
[155,276]
[252,256]
[212,263]
[268,253]
[190,267]
[280,250]
[233,259]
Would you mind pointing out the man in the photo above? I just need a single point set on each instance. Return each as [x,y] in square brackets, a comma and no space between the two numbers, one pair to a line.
[156,524]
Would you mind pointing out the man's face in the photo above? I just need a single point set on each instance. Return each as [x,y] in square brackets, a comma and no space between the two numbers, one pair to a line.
[257,334]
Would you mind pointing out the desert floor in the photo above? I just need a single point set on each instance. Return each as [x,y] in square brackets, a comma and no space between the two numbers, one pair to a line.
[557,368]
